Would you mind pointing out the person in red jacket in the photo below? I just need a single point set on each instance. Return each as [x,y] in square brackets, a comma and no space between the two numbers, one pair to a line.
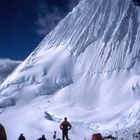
[97,136]
[65,127]
[2,133]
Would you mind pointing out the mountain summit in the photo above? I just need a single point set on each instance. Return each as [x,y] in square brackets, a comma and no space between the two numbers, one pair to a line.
[87,68]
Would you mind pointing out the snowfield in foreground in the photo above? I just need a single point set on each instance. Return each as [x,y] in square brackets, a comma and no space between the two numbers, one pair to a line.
[87,69]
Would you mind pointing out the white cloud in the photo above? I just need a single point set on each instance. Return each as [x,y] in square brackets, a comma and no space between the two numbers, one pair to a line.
[73,3]
[48,19]
[6,67]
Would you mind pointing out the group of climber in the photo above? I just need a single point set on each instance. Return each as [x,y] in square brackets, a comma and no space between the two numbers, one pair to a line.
[22,137]
[65,127]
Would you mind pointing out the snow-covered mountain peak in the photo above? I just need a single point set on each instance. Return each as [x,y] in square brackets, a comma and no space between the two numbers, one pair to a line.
[89,64]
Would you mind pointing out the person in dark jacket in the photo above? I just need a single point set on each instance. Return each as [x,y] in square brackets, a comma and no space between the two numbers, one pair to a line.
[2,133]
[54,135]
[65,127]
[42,138]
[21,137]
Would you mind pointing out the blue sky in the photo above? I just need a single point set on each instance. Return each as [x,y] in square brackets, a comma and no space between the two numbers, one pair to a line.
[24,23]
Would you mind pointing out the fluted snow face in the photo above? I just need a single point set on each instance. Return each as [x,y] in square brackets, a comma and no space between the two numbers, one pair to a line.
[110,28]
[91,60]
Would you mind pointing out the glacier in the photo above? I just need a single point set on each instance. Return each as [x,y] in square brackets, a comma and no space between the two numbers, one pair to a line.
[87,68]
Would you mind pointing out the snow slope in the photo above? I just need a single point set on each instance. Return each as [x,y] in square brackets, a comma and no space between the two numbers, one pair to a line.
[87,68]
